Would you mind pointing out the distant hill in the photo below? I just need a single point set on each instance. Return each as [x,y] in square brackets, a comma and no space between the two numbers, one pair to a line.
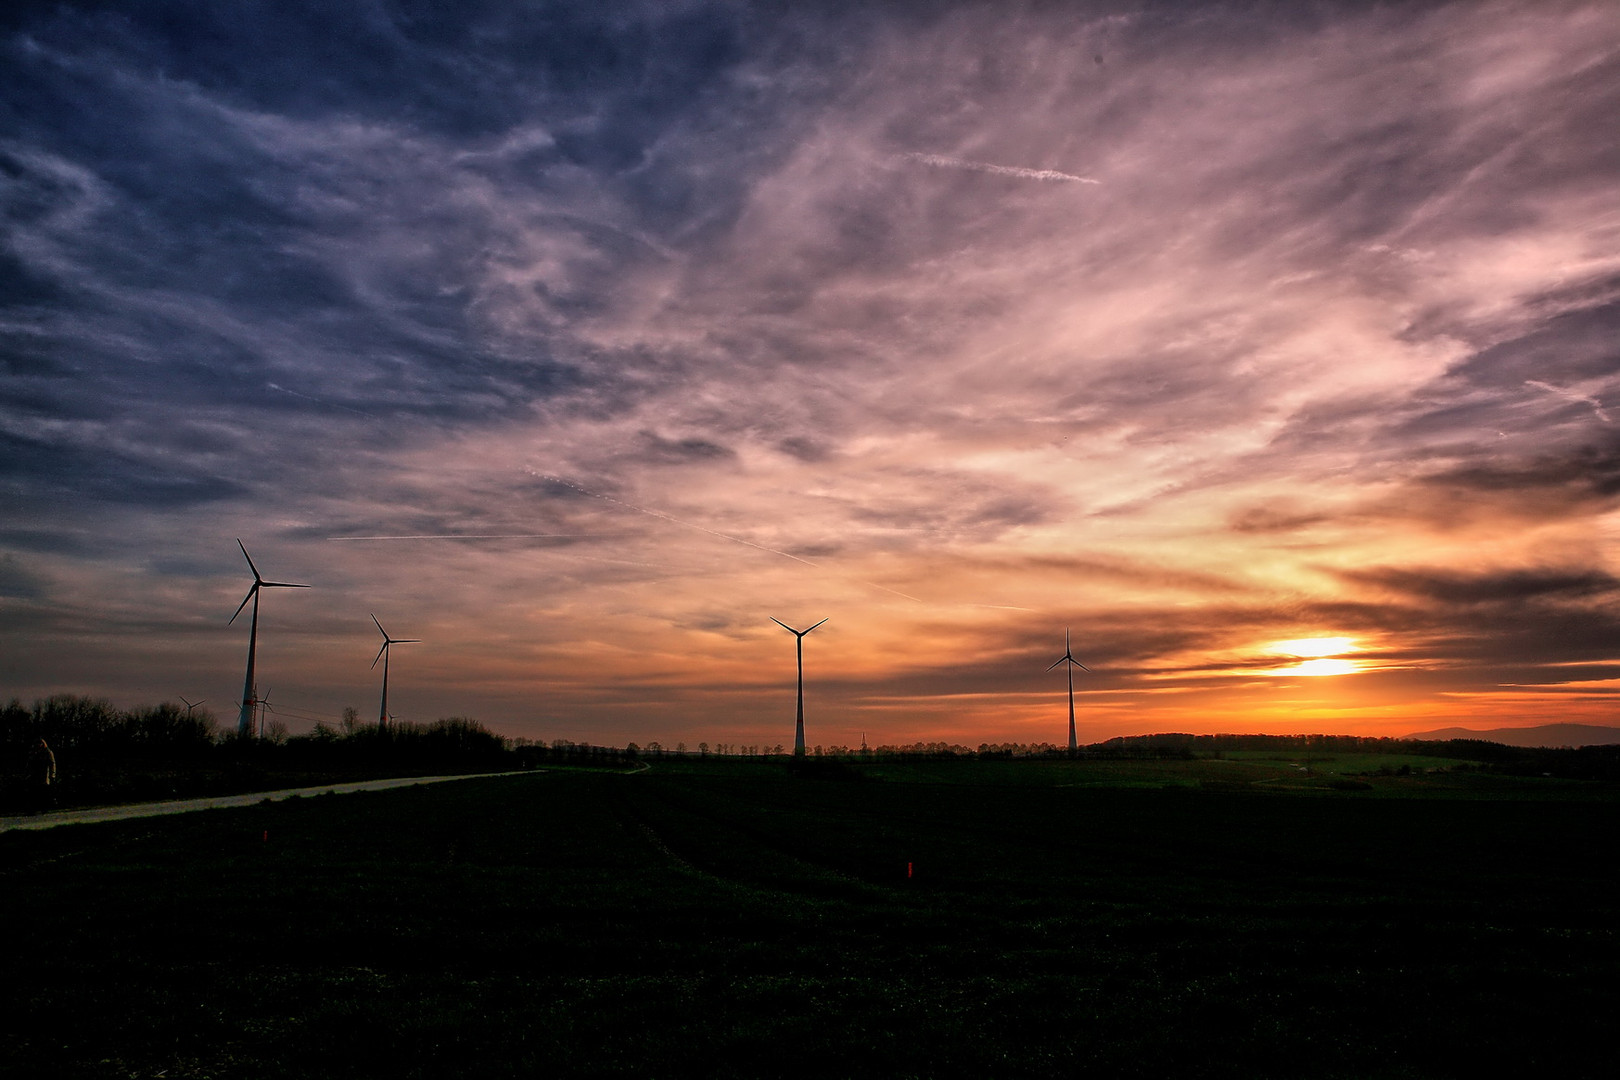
[1545,735]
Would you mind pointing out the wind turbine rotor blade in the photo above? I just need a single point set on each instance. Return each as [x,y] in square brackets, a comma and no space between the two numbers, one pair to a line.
[243,604]
[249,558]
[380,653]
[404,641]
[1081,666]
[380,630]
[818,624]
[282,585]
[1056,662]
[783,625]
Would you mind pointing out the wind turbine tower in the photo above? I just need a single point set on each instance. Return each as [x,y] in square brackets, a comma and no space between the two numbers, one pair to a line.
[798,732]
[1070,663]
[382,654]
[244,723]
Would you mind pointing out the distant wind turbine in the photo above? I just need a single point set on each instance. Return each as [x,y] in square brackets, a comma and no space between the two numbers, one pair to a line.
[382,654]
[264,706]
[1070,663]
[244,723]
[190,705]
[798,733]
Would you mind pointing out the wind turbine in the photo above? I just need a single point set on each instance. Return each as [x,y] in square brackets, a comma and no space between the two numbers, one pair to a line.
[798,733]
[1070,663]
[382,654]
[190,705]
[244,723]
[264,707]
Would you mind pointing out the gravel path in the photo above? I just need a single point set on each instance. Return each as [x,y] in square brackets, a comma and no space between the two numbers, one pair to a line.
[181,806]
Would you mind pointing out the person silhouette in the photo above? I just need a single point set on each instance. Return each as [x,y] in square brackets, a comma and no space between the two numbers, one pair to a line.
[41,775]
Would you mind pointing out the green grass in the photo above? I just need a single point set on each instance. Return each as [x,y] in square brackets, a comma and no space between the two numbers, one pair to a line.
[731,919]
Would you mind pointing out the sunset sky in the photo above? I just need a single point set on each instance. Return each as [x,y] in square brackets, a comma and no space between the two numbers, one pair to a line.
[1270,348]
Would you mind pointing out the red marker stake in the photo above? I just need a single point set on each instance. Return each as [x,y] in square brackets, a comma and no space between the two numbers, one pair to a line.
[908,868]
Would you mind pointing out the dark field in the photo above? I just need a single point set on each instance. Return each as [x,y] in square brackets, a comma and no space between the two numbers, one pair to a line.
[731,918]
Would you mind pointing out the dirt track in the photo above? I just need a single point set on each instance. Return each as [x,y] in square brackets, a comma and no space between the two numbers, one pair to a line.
[84,815]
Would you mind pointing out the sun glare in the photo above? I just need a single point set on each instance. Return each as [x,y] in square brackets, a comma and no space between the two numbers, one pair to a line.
[1315,656]
[1315,646]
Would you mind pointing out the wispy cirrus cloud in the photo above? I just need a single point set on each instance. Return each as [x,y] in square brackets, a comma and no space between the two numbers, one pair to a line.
[1572,395]
[1193,334]
[1050,175]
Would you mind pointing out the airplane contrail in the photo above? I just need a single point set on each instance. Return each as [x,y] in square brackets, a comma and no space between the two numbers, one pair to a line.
[319,401]
[702,529]
[1049,175]
[481,536]
[1571,395]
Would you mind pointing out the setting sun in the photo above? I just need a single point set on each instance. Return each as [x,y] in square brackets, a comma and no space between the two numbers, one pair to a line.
[1313,647]
[1314,656]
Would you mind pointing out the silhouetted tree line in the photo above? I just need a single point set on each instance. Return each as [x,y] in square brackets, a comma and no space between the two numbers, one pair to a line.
[105,754]
[80,725]
[450,740]
[530,753]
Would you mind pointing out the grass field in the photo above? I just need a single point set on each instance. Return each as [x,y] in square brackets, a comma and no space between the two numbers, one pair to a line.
[736,919]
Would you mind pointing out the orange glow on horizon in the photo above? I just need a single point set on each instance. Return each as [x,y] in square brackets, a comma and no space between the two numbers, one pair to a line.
[1324,666]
